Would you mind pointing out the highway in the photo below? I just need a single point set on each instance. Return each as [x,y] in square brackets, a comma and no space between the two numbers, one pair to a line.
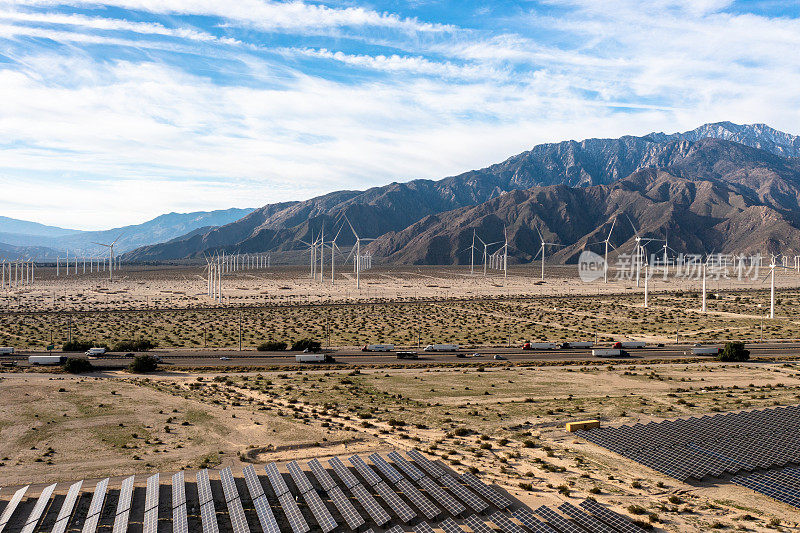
[254,359]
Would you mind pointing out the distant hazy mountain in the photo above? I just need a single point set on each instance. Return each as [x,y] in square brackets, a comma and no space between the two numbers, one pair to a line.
[13,253]
[419,221]
[23,227]
[160,229]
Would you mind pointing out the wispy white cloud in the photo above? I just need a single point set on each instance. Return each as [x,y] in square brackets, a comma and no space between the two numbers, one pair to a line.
[238,116]
[265,15]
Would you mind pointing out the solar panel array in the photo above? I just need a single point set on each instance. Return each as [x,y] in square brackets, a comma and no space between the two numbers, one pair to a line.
[709,445]
[95,507]
[233,502]
[497,499]
[782,484]
[386,504]
[62,521]
[180,520]
[150,523]
[265,515]
[208,513]
[38,509]
[12,506]
[464,494]
[124,506]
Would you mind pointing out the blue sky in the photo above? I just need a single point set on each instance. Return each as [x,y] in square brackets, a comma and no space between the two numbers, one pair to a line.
[114,112]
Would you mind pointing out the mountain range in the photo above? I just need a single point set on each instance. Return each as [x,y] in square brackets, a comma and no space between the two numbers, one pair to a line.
[21,239]
[722,187]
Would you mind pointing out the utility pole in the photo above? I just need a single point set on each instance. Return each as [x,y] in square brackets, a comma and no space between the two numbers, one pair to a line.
[240,330]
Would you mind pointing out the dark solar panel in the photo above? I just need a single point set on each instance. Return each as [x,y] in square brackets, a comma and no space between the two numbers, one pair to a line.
[370,505]
[385,468]
[477,525]
[449,526]
[426,464]
[322,475]
[364,470]
[343,472]
[400,508]
[346,509]
[696,447]
[505,524]
[587,521]
[423,527]
[497,499]
[296,520]
[531,522]
[443,498]
[406,466]
[558,521]
[419,500]
[615,520]
[464,494]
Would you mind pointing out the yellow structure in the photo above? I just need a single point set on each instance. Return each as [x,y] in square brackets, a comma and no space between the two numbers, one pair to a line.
[572,427]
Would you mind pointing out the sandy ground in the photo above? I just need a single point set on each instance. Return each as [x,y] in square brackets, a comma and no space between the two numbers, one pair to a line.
[505,422]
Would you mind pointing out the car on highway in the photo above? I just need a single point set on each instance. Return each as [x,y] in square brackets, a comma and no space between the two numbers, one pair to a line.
[224,358]
[499,357]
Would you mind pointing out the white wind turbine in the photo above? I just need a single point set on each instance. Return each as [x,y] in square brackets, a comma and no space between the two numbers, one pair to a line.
[110,257]
[542,249]
[485,252]
[357,249]
[605,258]
[334,247]
[772,266]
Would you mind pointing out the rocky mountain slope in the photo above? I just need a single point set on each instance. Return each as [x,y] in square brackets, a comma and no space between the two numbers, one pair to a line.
[659,181]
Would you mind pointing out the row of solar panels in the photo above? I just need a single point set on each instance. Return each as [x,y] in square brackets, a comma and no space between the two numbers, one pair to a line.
[710,445]
[429,497]
[782,484]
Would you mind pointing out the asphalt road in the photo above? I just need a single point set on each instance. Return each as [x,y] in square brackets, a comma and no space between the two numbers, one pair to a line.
[211,358]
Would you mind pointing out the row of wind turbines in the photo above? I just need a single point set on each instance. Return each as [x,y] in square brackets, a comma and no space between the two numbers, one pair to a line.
[316,249]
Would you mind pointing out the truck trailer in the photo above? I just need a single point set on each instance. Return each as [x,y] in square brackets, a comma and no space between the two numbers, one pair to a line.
[704,350]
[314,358]
[577,344]
[539,346]
[441,348]
[609,352]
[629,344]
[6,350]
[47,359]
[377,348]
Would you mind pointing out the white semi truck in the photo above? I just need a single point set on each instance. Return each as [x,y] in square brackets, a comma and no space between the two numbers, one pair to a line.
[377,348]
[314,358]
[441,348]
[47,359]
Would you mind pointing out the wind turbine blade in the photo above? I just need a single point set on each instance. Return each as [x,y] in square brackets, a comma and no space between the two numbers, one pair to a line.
[337,233]
[540,234]
[612,228]
[351,227]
